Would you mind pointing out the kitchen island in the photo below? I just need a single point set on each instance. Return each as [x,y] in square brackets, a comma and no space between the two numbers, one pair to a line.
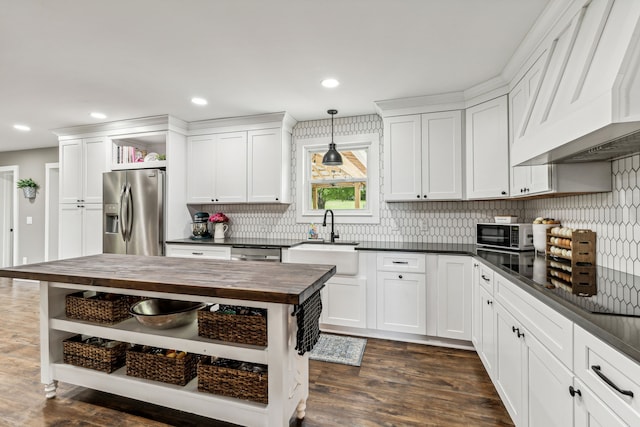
[280,289]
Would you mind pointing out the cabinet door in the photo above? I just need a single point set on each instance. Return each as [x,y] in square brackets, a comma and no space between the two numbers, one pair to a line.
[265,165]
[70,231]
[487,150]
[71,171]
[200,176]
[230,170]
[344,302]
[549,403]
[590,411]
[442,155]
[509,374]
[94,165]
[401,302]
[402,158]
[454,297]
[484,322]
[92,229]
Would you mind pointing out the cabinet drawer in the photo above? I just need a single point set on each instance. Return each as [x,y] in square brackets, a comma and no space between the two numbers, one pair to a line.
[624,373]
[400,261]
[199,251]
[485,276]
[547,325]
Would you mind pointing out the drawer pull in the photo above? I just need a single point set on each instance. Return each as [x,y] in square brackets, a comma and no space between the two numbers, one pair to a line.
[400,262]
[603,377]
[574,391]
[485,278]
[197,253]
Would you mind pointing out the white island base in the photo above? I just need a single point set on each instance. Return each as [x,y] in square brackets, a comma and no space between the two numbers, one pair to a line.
[288,384]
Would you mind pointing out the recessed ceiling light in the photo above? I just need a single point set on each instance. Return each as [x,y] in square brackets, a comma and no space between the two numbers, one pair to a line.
[330,83]
[199,101]
[97,115]
[23,128]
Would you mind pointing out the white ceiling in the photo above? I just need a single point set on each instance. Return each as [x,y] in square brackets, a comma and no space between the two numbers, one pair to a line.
[62,59]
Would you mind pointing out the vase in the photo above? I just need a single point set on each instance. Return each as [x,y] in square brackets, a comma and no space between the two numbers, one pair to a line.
[29,192]
[219,229]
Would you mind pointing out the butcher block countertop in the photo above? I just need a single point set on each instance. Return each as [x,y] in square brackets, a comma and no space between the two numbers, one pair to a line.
[252,281]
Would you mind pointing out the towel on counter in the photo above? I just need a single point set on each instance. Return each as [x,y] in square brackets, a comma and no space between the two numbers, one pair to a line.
[308,320]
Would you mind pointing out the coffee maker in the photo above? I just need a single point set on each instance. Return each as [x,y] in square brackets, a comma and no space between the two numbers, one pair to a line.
[199,226]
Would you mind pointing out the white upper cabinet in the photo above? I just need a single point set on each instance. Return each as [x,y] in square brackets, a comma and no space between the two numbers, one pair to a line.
[423,156]
[240,160]
[269,166]
[82,163]
[217,170]
[487,150]
[402,147]
[588,88]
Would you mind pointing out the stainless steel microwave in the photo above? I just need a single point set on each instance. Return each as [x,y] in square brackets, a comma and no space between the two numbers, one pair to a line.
[515,237]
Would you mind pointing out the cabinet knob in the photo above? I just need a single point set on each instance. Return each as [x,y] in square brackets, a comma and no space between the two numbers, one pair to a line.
[418,196]
[504,193]
[425,196]
[399,276]
[574,391]
[489,302]
[276,199]
[213,200]
[526,189]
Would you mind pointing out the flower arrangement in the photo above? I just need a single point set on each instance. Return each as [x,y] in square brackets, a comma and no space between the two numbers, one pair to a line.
[218,217]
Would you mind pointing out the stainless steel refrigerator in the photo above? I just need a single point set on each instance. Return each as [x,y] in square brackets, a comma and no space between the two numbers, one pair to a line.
[133,212]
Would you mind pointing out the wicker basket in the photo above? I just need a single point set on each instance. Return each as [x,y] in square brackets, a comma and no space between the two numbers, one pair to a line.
[98,310]
[158,367]
[237,328]
[93,356]
[232,382]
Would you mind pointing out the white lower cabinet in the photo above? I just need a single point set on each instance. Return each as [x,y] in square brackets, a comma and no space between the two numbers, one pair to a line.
[80,230]
[532,383]
[401,293]
[611,377]
[590,411]
[483,322]
[454,297]
[344,301]
[402,302]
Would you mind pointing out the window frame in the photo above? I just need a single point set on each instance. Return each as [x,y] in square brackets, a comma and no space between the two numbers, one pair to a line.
[304,147]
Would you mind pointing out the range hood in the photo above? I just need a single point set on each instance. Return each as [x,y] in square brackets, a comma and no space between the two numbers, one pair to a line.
[580,98]
[610,143]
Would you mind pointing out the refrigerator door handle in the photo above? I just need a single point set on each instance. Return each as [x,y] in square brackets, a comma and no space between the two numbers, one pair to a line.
[129,212]
[123,226]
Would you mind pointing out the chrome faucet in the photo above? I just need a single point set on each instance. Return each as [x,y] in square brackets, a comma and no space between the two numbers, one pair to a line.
[334,236]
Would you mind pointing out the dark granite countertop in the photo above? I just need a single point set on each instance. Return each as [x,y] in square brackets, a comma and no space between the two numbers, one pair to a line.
[621,332]
[237,242]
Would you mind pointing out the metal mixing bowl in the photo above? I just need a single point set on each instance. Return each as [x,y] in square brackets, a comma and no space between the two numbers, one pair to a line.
[165,314]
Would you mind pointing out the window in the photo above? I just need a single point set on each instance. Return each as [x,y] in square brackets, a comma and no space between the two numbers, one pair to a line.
[343,189]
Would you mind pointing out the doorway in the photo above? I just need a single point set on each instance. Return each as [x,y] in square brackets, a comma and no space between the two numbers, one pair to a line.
[51,211]
[8,216]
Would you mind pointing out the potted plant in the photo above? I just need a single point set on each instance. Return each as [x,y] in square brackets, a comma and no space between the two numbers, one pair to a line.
[29,187]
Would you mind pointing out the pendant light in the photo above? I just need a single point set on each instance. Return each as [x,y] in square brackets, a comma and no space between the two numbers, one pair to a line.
[332,157]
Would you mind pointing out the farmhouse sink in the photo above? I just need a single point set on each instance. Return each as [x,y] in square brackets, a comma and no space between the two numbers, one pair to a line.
[342,255]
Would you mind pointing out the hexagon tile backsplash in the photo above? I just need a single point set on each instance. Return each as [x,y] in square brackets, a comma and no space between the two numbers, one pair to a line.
[614,215]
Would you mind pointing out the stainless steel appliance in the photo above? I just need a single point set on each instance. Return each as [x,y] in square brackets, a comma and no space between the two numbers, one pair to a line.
[255,253]
[200,226]
[133,212]
[516,237]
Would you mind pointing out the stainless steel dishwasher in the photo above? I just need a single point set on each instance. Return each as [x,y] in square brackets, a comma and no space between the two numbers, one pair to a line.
[255,253]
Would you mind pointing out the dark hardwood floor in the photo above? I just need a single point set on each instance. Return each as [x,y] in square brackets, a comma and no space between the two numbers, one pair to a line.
[398,384]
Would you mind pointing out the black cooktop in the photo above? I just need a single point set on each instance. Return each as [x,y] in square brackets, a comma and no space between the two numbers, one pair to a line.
[615,292]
